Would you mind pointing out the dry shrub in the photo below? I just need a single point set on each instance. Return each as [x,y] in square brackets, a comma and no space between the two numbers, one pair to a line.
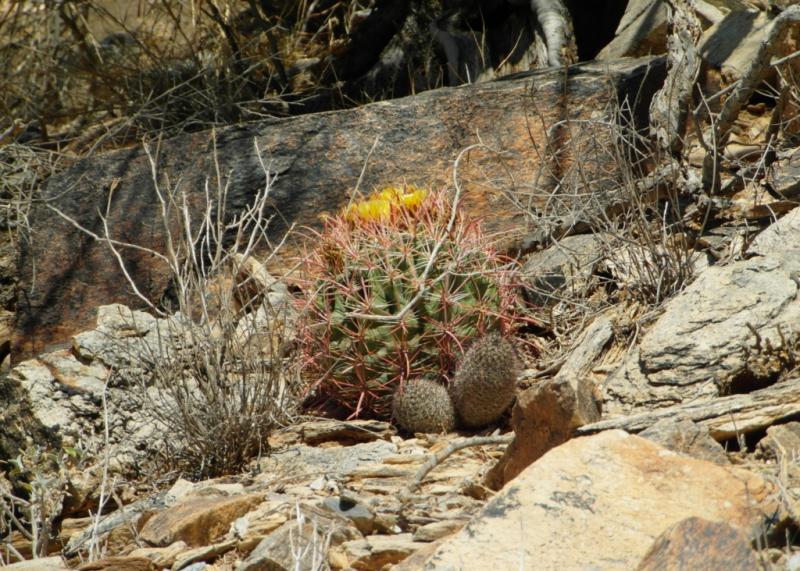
[603,177]
[214,381]
[99,73]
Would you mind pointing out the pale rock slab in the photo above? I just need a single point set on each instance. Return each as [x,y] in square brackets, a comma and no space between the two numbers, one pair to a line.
[699,344]
[599,503]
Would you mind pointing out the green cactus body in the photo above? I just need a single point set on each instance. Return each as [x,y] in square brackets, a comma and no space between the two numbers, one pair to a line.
[485,382]
[422,405]
[375,268]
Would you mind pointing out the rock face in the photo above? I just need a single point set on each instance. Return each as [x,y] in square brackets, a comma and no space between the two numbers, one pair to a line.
[57,398]
[317,160]
[615,492]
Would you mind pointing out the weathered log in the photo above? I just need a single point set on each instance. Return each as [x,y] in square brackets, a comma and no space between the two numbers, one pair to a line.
[725,417]
[318,160]
[670,106]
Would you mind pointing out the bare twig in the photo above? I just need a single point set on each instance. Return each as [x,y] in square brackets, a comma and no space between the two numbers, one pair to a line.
[94,544]
[440,456]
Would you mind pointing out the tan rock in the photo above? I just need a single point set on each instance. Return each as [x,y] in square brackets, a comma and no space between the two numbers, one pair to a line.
[548,413]
[44,564]
[119,564]
[161,556]
[600,501]
[416,560]
[696,543]
[438,529]
[197,521]
[542,419]
[375,551]
[299,544]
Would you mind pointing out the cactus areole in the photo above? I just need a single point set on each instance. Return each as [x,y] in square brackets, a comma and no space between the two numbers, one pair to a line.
[380,308]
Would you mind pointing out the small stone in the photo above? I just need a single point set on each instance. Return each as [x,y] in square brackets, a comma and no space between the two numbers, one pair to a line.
[337,558]
[686,437]
[161,556]
[178,490]
[198,556]
[354,510]
[696,543]
[376,551]
[239,528]
[387,524]
[437,529]
[782,441]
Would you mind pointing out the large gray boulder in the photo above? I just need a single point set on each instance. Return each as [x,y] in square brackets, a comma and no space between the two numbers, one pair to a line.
[318,160]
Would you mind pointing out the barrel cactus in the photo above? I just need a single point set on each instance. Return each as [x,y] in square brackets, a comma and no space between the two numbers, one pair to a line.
[365,328]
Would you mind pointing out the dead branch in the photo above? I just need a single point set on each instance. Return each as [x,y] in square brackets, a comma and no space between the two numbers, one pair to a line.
[725,417]
[444,453]
[556,24]
[669,107]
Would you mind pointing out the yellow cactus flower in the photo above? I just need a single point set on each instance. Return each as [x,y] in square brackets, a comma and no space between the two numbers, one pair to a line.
[378,206]
[414,198]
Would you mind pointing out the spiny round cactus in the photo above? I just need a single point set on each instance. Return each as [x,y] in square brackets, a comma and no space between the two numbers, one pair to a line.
[365,328]
[485,382]
[422,405]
